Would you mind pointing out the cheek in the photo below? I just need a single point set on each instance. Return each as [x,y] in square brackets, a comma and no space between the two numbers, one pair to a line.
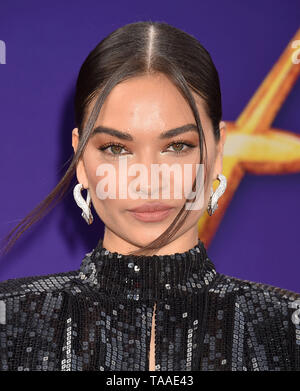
[107,208]
[203,182]
[103,203]
[91,166]
[94,166]
[192,171]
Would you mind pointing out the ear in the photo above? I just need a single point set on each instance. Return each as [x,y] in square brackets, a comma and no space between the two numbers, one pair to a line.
[80,169]
[220,150]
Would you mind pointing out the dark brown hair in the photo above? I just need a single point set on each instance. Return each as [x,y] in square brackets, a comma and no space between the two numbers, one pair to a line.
[137,49]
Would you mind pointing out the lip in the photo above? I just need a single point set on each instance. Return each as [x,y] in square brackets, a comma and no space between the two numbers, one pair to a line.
[151,207]
[151,212]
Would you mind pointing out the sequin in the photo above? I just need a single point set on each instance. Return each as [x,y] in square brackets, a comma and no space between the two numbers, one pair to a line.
[99,317]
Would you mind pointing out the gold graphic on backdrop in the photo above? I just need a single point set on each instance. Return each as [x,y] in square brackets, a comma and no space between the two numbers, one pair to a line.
[251,146]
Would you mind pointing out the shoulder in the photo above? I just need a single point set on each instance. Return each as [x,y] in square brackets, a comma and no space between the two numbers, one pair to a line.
[253,288]
[259,300]
[22,299]
[25,286]
[264,316]
[32,310]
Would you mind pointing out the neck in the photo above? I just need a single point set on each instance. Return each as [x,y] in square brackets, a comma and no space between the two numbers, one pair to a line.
[156,277]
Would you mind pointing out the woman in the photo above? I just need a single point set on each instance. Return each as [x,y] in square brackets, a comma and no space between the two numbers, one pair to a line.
[147,297]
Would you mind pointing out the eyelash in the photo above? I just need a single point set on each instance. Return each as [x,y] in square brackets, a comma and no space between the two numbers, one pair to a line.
[110,144]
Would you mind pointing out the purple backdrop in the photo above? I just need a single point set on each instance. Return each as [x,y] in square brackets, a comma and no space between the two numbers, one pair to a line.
[46,43]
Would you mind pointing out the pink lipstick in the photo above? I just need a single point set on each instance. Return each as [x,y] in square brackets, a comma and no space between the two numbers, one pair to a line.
[151,212]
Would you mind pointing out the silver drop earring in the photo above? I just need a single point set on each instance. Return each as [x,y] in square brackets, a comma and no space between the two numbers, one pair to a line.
[213,200]
[85,205]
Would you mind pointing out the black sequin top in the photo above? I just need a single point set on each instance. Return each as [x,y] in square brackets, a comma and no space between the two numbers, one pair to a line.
[99,317]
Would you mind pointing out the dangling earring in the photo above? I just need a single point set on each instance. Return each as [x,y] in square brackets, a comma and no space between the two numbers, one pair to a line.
[82,203]
[213,200]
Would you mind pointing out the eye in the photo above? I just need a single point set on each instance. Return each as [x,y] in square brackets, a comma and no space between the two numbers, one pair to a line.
[181,146]
[115,149]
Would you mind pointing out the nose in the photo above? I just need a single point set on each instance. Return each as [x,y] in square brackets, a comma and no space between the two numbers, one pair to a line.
[149,184]
[147,178]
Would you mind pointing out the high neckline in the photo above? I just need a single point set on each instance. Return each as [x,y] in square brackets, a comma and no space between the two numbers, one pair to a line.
[132,277]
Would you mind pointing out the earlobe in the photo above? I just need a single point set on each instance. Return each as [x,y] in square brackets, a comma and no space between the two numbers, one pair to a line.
[218,166]
[80,169]
[222,125]
[75,139]
[223,132]
[219,158]
[81,175]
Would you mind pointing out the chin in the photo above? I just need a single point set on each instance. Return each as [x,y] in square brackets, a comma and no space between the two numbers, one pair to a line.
[145,240]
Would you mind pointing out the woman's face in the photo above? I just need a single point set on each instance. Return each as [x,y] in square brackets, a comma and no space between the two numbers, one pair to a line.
[141,110]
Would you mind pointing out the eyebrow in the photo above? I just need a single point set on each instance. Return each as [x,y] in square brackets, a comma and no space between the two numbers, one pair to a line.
[164,135]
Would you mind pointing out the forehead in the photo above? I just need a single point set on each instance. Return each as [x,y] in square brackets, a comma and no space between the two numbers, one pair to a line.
[150,103]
